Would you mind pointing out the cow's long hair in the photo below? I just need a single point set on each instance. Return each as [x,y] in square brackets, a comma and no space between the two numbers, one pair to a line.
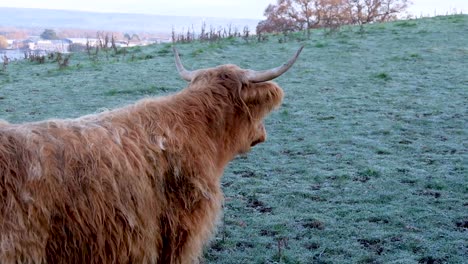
[139,184]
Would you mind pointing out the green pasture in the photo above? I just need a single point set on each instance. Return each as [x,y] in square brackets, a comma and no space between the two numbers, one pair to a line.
[365,162]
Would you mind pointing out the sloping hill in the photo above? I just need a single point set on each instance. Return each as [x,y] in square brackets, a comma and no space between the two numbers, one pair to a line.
[366,161]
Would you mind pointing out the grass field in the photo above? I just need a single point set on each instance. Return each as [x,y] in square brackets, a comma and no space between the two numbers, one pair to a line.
[366,161]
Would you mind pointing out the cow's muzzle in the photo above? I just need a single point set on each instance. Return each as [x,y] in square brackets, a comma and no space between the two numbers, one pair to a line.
[261,135]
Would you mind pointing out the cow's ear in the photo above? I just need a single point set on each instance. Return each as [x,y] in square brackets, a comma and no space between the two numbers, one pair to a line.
[265,93]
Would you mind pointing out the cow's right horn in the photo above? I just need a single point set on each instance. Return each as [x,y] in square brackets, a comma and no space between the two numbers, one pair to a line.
[268,75]
[186,75]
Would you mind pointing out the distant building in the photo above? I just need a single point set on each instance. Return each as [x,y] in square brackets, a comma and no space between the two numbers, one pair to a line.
[51,45]
[83,41]
[28,44]
[36,44]
[160,40]
[10,43]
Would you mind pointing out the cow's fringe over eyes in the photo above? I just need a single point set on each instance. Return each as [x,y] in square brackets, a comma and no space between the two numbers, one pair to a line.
[139,184]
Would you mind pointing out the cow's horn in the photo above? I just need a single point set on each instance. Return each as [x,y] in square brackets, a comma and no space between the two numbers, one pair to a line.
[186,75]
[267,75]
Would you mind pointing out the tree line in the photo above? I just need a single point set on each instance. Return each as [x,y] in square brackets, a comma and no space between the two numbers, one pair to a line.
[295,15]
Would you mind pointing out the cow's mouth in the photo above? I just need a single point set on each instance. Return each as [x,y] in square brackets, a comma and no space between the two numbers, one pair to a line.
[261,135]
[256,142]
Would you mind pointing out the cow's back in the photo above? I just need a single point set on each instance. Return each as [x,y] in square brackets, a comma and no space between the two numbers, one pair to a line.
[74,192]
[20,237]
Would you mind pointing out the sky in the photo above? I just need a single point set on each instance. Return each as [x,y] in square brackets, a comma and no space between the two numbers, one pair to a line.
[438,7]
[208,8]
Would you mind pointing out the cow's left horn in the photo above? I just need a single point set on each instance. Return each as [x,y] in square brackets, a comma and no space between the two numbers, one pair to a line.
[186,75]
[268,75]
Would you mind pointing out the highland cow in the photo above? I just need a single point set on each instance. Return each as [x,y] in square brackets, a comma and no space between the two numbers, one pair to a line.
[139,184]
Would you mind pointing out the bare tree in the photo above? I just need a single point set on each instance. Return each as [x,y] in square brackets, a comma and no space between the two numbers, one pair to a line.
[281,18]
[246,34]
[306,14]
[331,13]
[367,11]
[6,60]
[293,15]
[3,42]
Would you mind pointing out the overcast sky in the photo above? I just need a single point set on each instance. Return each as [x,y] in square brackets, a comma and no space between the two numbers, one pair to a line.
[206,8]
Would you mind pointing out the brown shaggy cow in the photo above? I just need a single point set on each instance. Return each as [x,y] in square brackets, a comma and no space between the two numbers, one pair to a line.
[139,184]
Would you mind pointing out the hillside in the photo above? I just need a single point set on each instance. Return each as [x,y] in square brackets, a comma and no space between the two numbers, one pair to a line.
[366,160]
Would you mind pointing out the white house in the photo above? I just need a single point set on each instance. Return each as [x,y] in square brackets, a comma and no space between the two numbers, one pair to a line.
[50,45]
[83,41]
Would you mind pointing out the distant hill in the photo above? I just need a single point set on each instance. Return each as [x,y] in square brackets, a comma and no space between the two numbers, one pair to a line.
[47,18]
